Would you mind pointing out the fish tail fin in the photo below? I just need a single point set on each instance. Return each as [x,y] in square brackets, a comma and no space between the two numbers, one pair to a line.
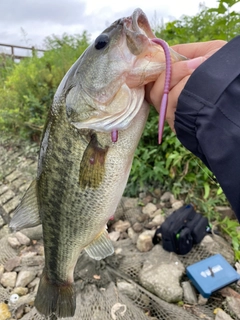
[55,298]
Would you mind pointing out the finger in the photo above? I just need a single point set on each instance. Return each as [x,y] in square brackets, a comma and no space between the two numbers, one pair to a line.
[180,70]
[172,101]
[148,89]
[197,49]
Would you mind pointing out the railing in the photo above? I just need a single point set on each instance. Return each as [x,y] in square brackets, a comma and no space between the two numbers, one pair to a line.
[14,56]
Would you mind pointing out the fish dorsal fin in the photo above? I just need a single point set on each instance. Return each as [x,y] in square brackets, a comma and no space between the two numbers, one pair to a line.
[27,213]
[100,247]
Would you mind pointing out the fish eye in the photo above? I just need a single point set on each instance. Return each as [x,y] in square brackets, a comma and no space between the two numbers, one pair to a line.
[101,41]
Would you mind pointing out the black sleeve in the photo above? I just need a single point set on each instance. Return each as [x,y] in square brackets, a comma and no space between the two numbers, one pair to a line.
[207,120]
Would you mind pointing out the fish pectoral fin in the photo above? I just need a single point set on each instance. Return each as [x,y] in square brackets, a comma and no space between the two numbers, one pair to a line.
[92,166]
[27,213]
[100,247]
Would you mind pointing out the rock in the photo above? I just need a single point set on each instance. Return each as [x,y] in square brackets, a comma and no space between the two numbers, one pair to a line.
[34,283]
[237,266]
[137,227]
[157,192]
[28,253]
[16,184]
[14,243]
[149,209]
[234,305]
[4,231]
[129,202]
[144,242]
[158,220]
[26,299]
[9,279]
[163,280]
[142,217]
[121,226]
[215,244]
[27,309]
[156,213]
[39,248]
[13,176]
[6,197]
[24,278]
[21,291]
[2,222]
[167,196]
[189,293]
[22,238]
[127,289]
[11,205]
[4,311]
[131,292]
[12,263]
[34,233]
[132,214]
[147,199]
[177,205]
[1,271]
[132,235]
[114,235]
[123,235]
[202,301]
[161,274]
[221,315]
[3,189]
[19,312]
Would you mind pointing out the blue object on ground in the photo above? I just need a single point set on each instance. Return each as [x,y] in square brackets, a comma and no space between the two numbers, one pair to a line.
[211,274]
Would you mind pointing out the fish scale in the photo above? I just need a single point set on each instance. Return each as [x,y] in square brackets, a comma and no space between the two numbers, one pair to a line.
[91,134]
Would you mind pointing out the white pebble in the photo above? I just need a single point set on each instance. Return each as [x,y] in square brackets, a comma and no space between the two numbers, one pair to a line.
[14,298]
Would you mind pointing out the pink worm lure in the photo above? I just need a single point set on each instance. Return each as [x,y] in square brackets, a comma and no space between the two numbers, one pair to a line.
[164,102]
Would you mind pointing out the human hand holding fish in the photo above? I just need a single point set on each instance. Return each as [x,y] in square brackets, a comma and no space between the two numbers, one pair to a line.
[90,136]
[197,53]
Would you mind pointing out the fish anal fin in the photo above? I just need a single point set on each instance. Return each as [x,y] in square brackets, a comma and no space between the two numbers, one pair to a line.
[92,167]
[100,247]
[58,298]
[27,213]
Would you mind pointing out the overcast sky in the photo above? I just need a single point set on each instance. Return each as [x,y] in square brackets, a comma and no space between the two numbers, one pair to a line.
[28,22]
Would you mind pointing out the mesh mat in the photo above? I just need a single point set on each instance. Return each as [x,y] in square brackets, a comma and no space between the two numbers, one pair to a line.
[109,289]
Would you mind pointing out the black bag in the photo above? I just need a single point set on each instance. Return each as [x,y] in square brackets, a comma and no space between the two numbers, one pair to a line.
[182,229]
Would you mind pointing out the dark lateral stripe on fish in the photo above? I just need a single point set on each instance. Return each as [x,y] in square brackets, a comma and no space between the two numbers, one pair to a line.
[92,166]
[58,298]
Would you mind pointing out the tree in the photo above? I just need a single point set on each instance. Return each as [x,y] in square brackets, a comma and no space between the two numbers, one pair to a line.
[209,24]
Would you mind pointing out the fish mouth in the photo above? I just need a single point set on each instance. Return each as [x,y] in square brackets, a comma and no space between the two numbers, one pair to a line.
[138,31]
[138,23]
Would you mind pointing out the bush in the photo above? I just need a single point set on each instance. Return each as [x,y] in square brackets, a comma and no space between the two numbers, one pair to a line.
[27,90]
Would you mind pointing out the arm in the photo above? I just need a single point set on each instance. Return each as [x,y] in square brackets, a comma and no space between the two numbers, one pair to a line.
[207,120]
[207,100]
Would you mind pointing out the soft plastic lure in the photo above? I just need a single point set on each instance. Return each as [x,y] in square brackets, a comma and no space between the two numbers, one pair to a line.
[163,106]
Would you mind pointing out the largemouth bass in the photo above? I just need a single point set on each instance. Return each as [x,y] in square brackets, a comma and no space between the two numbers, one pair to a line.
[92,131]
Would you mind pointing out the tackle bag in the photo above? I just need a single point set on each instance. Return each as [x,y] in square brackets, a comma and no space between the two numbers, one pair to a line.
[181,230]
